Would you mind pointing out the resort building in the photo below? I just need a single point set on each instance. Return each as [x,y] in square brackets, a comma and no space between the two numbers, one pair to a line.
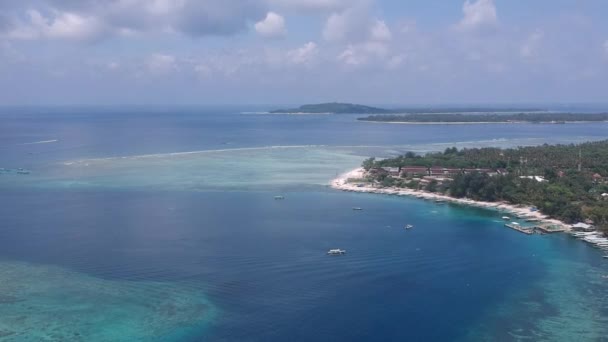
[583,227]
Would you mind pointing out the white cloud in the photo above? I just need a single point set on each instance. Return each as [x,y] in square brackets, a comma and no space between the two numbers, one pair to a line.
[89,19]
[396,61]
[358,55]
[380,32]
[336,27]
[272,26]
[304,55]
[530,48]
[113,66]
[203,70]
[62,25]
[313,6]
[478,14]
[355,25]
[161,64]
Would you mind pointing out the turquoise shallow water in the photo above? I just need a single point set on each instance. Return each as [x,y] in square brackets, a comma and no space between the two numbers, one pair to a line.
[114,236]
[49,303]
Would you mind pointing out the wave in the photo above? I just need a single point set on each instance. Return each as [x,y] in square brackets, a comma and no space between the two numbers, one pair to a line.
[41,142]
[419,147]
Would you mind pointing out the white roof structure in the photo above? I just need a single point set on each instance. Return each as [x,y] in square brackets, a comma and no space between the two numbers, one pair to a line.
[582,225]
[536,178]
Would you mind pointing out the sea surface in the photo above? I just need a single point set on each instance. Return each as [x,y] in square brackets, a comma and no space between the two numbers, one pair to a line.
[160,224]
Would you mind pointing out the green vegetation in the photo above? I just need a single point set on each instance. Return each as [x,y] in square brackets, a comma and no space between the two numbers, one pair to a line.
[349,108]
[569,185]
[334,108]
[494,118]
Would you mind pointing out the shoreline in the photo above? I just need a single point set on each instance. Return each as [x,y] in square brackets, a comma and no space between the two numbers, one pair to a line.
[478,122]
[341,183]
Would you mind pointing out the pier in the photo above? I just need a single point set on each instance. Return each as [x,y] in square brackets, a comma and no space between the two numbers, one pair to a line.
[517,227]
[548,229]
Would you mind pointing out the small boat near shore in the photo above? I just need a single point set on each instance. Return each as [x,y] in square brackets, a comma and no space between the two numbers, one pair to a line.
[336,251]
[506,218]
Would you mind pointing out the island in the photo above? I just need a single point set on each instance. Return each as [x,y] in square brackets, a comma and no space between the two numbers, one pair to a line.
[350,108]
[494,117]
[333,108]
[554,187]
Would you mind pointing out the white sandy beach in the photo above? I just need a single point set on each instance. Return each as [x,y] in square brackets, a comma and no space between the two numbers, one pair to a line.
[477,122]
[342,183]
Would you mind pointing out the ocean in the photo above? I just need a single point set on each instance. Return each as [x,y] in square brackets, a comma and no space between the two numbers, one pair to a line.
[160,224]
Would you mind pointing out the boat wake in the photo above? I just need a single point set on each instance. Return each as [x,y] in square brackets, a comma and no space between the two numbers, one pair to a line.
[41,142]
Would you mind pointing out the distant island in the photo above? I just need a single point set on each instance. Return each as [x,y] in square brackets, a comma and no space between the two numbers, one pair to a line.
[568,183]
[489,118]
[350,108]
[333,108]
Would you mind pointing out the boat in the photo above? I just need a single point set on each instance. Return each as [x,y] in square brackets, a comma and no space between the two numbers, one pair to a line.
[605,256]
[506,218]
[357,209]
[279,197]
[336,251]
[409,226]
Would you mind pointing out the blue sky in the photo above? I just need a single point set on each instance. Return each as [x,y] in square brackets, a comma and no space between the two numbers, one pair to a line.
[300,51]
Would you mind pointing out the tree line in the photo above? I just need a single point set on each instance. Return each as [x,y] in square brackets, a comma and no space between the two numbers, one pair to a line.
[574,177]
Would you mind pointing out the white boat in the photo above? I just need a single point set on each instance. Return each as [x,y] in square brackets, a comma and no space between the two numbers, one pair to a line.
[357,209]
[506,218]
[279,197]
[336,252]
[409,226]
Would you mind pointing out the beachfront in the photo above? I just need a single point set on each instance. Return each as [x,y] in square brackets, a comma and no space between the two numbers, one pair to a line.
[351,181]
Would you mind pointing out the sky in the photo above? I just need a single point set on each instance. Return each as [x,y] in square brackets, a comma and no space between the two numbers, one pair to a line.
[198,52]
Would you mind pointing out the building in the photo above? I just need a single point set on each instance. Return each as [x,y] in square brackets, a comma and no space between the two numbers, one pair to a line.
[418,171]
[393,171]
[583,227]
[413,171]
[539,179]
[442,171]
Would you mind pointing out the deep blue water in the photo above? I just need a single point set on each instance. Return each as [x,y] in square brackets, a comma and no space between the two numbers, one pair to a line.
[261,263]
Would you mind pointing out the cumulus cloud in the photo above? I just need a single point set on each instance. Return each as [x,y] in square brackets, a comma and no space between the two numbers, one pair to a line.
[368,53]
[352,24]
[61,25]
[380,32]
[217,17]
[272,26]
[304,55]
[312,5]
[478,15]
[73,19]
[356,25]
